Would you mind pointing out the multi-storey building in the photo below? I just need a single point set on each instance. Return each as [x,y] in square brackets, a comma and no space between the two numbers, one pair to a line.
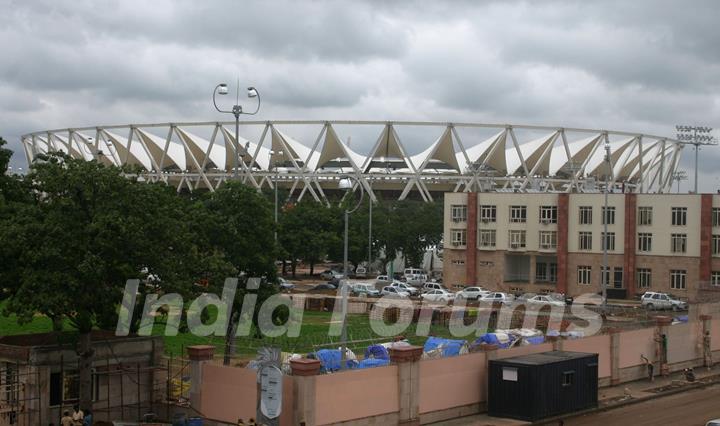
[554,242]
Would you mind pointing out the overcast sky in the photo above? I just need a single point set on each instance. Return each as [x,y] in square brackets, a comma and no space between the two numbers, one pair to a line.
[624,65]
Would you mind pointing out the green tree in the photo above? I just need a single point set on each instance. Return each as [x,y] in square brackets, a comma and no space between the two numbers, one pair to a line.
[84,232]
[307,231]
[238,222]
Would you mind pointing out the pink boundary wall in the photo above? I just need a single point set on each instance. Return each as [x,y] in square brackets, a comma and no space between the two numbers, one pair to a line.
[635,343]
[452,382]
[595,344]
[356,394]
[230,393]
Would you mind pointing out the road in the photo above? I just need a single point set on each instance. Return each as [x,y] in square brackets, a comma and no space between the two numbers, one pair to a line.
[684,409]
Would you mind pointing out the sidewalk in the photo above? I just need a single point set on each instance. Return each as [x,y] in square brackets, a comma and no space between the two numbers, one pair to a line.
[613,397]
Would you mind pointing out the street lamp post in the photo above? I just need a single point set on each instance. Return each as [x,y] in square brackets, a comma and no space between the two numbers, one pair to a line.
[697,136]
[276,178]
[606,269]
[222,89]
[347,183]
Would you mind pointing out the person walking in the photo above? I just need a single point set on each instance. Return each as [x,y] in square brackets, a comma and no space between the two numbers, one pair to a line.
[650,368]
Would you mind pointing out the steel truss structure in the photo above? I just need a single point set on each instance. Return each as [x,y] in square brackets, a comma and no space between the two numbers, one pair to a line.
[455,156]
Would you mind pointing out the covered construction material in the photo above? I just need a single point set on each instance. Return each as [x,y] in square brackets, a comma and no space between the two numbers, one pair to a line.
[538,386]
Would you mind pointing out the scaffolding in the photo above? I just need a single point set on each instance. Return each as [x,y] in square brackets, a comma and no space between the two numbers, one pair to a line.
[19,404]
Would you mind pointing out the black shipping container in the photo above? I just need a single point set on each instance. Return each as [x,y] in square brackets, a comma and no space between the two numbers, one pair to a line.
[537,386]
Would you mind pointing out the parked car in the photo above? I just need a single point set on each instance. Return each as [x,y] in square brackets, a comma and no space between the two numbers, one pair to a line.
[438,296]
[652,300]
[496,297]
[415,279]
[471,293]
[360,272]
[323,287]
[432,286]
[394,292]
[542,299]
[382,280]
[406,288]
[328,274]
[285,284]
[365,288]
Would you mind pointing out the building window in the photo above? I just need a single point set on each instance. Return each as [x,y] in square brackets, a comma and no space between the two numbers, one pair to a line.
[716,244]
[517,239]
[64,387]
[546,272]
[608,241]
[458,213]
[679,216]
[585,241]
[585,215]
[678,243]
[488,214]
[458,237]
[715,278]
[568,378]
[644,276]
[518,214]
[608,216]
[458,262]
[487,238]
[645,216]
[716,216]
[548,214]
[678,279]
[584,275]
[644,242]
[548,240]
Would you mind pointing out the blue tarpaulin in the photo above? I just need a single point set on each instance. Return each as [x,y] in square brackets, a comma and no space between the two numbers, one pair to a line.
[492,339]
[330,360]
[373,362]
[535,340]
[449,347]
[377,352]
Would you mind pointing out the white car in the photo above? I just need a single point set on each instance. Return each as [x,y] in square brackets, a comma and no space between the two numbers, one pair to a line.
[541,299]
[394,292]
[471,293]
[405,287]
[496,297]
[433,286]
[360,272]
[652,300]
[382,280]
[438,296]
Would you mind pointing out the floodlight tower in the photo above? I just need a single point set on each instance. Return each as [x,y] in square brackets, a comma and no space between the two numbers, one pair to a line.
[695,135]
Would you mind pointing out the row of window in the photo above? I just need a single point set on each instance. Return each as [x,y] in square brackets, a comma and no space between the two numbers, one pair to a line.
[548,214]
[678,277]
[548,240]
[518,238]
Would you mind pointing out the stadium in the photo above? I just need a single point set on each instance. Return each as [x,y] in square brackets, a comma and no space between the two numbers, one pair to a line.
[405,159]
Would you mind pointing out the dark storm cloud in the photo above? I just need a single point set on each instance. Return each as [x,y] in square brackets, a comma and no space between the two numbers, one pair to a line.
[627,65]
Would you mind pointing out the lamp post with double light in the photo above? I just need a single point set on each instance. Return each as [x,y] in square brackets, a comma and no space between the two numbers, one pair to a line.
[222,89]
[347,183]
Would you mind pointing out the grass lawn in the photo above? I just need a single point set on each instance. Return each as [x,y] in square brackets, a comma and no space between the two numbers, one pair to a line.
[313,334]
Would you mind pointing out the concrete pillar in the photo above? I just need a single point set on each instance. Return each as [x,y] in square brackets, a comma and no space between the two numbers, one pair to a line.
[198,355]
[630,244]
[305,371]
[490,354]
[614,356]
[562,243]
[531,274]
[705,238]
[471,237]
[407,359]
[661,343]
[556,341]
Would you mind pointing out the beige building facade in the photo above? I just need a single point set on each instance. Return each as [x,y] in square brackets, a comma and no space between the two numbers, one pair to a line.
[554,242]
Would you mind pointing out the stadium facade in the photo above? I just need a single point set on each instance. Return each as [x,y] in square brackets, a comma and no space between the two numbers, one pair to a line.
[308,157]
